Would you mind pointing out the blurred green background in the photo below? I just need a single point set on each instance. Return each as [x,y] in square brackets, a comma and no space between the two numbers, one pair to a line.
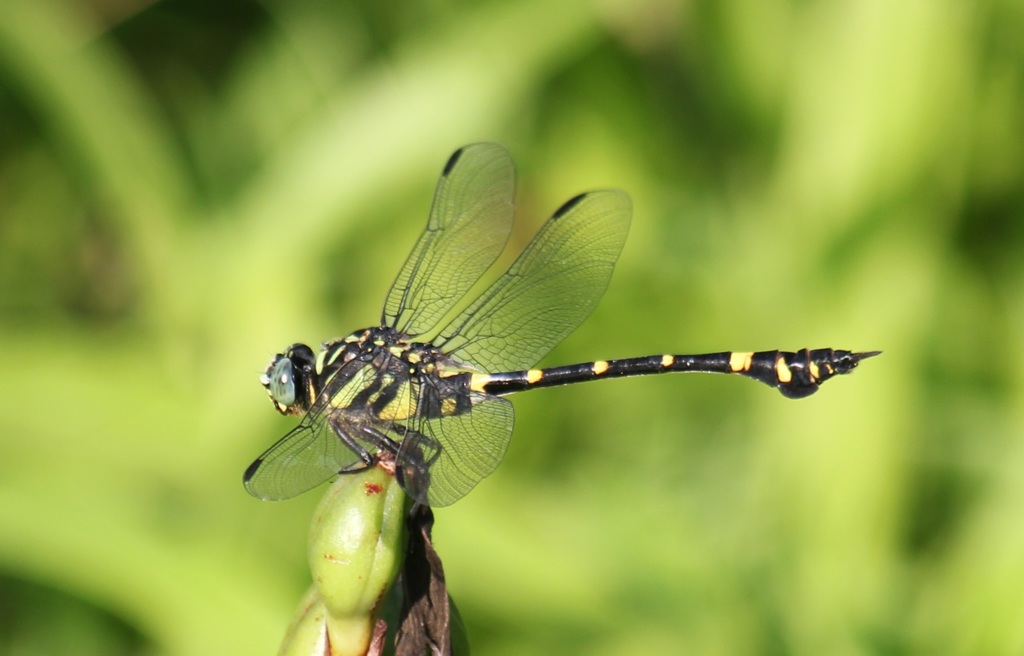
[188,187]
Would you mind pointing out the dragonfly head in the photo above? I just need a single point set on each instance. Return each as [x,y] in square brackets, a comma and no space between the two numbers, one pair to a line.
[288,379]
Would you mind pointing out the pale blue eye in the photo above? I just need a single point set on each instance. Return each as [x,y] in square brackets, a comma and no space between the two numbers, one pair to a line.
[280,381]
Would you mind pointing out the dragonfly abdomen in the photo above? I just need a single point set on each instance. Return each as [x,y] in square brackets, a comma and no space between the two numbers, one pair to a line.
[794,374]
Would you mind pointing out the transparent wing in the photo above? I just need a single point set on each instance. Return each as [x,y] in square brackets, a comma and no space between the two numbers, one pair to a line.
[469,223]
[312,452]
[548,291]
[304,458]
[447,455]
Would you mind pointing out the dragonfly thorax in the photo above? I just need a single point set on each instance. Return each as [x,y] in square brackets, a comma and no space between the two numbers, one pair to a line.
[388,349]
[295,377]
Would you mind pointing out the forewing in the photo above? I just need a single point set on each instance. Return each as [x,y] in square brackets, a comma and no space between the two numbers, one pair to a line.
[457,450]
[548,291]
[469,223]
[312,452]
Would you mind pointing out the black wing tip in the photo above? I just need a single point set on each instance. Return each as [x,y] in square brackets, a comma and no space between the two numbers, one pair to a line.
[621,197]
[250,471]
[452,161]
[569,204]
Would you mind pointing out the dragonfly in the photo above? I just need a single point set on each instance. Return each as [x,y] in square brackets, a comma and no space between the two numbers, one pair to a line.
[425,391]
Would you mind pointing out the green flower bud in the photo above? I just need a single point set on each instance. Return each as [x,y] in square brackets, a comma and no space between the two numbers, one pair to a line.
[356,546]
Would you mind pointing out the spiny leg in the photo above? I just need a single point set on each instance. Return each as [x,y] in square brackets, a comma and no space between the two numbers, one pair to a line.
[365,458]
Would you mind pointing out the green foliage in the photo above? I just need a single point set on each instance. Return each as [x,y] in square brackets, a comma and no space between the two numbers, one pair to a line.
[186,188]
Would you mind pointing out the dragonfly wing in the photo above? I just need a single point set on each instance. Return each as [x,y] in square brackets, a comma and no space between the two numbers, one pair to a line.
[548,291]
[304,458]
[447,455]
[470,221]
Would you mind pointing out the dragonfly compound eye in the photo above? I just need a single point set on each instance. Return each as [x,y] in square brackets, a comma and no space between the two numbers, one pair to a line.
[279,380]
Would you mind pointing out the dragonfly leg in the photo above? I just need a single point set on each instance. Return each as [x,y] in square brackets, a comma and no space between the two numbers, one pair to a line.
[342,431]
[413,469]
[355,468]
